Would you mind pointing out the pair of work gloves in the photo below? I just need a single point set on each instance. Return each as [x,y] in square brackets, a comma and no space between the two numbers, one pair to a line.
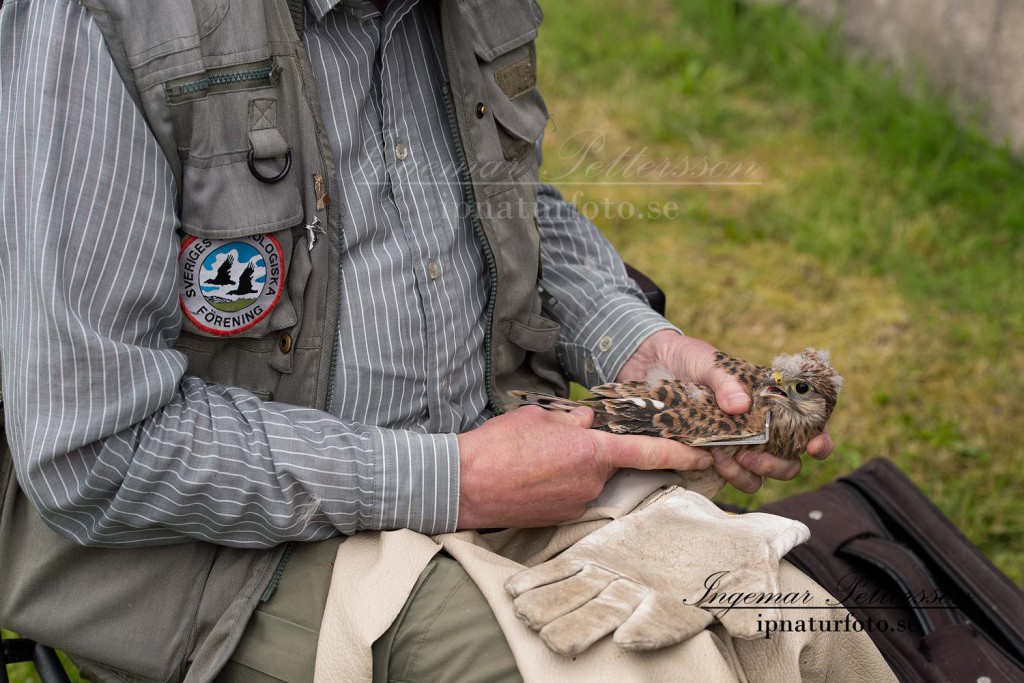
[658,576]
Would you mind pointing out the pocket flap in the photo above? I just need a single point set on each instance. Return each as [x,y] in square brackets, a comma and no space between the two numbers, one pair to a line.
[539,335]
[523,117]
[226,201]
[501,25]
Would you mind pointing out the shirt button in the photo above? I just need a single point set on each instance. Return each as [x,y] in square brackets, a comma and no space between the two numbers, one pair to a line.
[588,365]
[605,343]
[433,270]
[401,151]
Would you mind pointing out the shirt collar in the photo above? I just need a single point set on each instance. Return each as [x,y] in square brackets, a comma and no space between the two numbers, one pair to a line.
[320,8]
[359,9]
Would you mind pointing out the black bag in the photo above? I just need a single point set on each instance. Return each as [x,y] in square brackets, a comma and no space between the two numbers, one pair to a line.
[939,610]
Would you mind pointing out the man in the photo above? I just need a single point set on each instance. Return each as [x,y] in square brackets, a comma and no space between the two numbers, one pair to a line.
[165,162]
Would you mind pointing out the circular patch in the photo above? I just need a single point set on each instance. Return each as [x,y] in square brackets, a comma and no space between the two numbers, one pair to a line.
[227,286]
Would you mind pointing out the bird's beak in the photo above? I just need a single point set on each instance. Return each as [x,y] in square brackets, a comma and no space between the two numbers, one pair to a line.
[773,388]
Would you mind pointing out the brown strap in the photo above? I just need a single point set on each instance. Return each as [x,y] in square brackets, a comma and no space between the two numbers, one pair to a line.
[996,602]
[910,574]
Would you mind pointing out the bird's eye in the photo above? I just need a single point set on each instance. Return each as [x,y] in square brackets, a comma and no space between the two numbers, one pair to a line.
[802,387]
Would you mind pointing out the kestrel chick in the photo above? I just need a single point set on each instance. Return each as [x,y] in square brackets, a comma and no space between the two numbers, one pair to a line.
[792,400]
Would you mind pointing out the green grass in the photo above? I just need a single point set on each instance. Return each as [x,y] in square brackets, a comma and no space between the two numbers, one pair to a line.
[879,227]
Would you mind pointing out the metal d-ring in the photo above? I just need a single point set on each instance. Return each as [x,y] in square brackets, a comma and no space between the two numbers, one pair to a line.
[264,179]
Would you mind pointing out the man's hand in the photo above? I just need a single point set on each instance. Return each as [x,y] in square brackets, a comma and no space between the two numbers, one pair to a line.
[693,359]
[535,468]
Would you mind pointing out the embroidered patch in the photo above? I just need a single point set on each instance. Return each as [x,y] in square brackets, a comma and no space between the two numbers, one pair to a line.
[227,286]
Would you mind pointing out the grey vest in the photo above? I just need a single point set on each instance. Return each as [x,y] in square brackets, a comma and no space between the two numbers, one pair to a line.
[228,91]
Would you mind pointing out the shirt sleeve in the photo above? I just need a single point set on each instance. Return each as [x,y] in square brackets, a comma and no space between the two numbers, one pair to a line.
[603,314]
[112,442]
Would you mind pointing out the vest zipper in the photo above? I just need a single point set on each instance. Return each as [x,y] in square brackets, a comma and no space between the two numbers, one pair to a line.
[278,572]
[547,297]
[492,269]
[241,77]
[333,369]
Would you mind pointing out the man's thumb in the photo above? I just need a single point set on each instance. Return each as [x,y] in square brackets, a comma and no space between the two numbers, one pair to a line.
[730,394]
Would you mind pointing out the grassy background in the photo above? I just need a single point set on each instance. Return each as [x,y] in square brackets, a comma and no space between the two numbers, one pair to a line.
[878,228]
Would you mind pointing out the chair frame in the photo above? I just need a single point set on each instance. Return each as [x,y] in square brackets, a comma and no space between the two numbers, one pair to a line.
[16,650]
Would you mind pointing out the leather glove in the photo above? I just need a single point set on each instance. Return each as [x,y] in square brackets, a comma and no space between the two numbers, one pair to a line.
[645,576]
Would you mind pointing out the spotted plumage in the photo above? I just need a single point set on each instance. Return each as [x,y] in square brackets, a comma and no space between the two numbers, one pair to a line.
[798,391]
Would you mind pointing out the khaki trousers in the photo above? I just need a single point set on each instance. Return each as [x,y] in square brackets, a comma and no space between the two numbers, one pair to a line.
[445,632]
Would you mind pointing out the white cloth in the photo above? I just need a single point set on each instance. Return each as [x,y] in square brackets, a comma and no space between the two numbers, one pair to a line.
[376,572]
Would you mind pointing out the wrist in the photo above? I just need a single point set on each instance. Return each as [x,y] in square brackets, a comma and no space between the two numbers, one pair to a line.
[467,500]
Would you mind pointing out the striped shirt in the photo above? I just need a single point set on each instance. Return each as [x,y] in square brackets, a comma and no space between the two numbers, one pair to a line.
[114,443]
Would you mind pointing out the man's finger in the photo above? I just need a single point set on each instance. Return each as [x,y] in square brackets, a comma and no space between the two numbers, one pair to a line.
[820,446]
[768,465]
[734,473]
[650,453]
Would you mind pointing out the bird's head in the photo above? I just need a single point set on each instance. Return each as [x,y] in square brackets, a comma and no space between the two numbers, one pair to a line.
[802,387]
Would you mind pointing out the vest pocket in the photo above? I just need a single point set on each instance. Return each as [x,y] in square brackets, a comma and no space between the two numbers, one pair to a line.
[520,119]
[504,32]
[533,342]
[244,261]
[539,335]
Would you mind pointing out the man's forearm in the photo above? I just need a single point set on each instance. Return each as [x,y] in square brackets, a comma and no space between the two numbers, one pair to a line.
[219,464]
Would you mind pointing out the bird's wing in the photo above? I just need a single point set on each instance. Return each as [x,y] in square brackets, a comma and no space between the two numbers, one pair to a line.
[701,422]
[759,439]
[673,409]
